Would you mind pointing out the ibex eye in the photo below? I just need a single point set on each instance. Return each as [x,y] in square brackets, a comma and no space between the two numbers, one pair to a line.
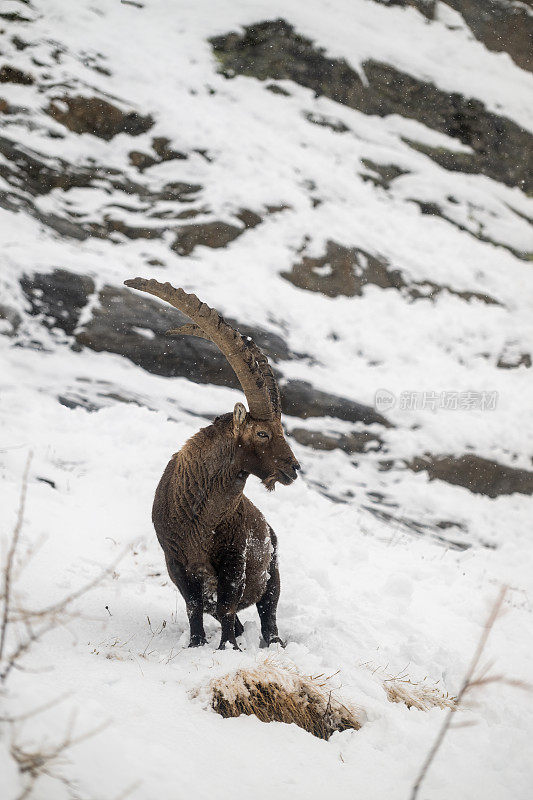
[262,434]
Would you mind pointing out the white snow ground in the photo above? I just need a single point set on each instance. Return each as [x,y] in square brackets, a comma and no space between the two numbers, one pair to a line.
[356,591]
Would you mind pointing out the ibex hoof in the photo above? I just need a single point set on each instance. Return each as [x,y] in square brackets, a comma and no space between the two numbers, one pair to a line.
[197,641]
[275,640]
[222,645]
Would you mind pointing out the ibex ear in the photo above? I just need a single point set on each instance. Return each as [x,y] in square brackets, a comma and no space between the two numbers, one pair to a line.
[239,416]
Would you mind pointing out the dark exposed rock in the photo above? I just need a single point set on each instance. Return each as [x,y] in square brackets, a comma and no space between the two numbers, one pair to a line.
[421,528]
[208,234]
[59,296]
[434,210]
[212,234]
[250,219]
[19,43]
[142,160]
[453,160]
[92,63]
[428,208]
[161,147]
[14,16]
[187,213]
[514,361]
[342,271]
[384,174]
[124,323]
[274,51]
[13,75]
[323,121]
[479,475]
[205,154]
[77,402]
[12,317]
[347,270]
[162,152]
[110,225]
[38,173]
[426,7]
[31,174]
[63,226]
[501,26]
[177,191]
[134,326]
[301,399]
[12,201]
[97,116]
[354,442]
[275,89]
[7,108]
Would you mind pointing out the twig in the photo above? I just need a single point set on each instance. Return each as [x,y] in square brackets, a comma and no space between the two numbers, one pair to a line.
[37,760]
[11,554]
[23,647]
[49,616]
[60,606]
[128,790]
[35,711]
[34,761]
[467,683]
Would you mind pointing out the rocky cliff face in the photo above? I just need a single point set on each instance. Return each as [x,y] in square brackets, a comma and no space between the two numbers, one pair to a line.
[275,50]
[356,200]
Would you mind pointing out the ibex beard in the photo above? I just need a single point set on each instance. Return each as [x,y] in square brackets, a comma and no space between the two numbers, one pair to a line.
[220,551]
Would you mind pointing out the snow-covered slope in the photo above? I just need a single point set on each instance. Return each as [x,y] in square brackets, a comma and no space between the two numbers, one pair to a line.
[427,302]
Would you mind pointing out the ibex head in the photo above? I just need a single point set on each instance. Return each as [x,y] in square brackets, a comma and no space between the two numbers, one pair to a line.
[262,448]
[260,445]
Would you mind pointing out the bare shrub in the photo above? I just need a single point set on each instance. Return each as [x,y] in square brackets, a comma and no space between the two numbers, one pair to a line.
[20,628]
[475,678]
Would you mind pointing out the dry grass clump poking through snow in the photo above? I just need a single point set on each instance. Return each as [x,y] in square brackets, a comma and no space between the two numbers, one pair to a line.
[421,695]
[277,692]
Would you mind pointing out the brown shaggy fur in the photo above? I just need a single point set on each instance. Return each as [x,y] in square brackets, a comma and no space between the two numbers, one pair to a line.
[273,692]
[219,549]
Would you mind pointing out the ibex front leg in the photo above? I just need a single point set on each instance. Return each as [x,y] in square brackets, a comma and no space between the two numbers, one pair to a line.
[230,569]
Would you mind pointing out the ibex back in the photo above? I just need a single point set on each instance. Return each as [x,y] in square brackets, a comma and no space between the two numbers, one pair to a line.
[219,548]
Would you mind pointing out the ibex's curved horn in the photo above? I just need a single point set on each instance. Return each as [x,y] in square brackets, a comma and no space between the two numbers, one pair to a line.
[268,376]
[262,361]
[188,330]
[248,362]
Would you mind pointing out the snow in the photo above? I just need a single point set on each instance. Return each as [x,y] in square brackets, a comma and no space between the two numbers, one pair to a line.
[358,592]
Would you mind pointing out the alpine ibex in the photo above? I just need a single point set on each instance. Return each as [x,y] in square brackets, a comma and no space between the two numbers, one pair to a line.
[219,548]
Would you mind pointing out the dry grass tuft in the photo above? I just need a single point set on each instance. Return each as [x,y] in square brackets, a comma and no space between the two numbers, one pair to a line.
[422,695]
[277,692]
